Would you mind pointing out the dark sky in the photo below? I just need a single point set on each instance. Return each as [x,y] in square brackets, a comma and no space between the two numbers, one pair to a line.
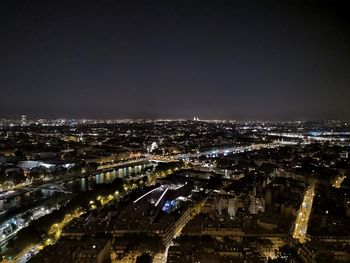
[175,59]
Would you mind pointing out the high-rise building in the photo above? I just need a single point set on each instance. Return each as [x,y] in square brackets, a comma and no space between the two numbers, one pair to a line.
[24,120]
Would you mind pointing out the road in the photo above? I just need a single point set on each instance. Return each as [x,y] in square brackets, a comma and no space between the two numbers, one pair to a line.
[303,216]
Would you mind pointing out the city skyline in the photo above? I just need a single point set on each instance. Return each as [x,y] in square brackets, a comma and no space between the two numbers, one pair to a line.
[42,120]
[165,191]
[183,131]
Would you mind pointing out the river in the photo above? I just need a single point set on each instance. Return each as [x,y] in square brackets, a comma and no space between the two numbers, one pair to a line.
[20,210]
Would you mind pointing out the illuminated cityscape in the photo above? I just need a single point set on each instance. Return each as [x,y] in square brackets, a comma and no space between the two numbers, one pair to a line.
[251,191]
[181,131]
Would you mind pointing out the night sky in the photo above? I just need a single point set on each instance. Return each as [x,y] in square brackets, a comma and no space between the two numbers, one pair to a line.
[275,60]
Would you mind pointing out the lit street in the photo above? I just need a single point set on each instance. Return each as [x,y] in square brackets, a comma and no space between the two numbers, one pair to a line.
[302,220]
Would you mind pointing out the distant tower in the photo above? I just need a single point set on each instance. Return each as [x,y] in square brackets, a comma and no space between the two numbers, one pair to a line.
[24,120]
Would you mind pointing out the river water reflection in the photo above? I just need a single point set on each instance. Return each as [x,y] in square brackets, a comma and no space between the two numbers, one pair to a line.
[87,183]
